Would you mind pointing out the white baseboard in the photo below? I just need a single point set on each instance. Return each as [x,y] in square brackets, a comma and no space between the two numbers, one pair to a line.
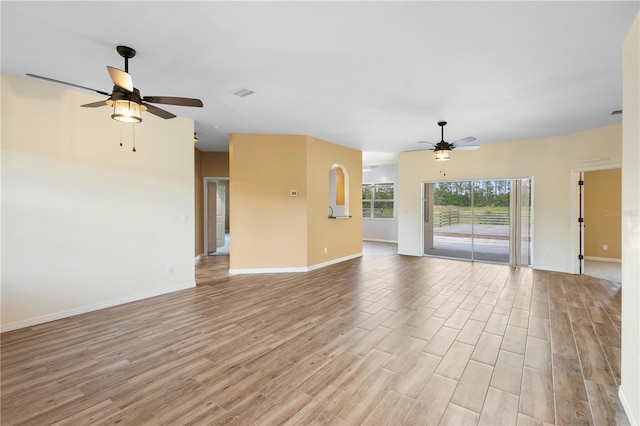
[545,268]
[603,259]
[197,259]
[292,269]
[97,306]
[626,407]
[377,240]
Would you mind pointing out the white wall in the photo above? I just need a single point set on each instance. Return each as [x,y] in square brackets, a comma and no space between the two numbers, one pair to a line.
[549,161]
[382,229]
[630,389]
[86,223]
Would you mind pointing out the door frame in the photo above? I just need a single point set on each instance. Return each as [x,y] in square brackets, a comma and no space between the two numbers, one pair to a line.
[575,230]
[472,180]
[205,209]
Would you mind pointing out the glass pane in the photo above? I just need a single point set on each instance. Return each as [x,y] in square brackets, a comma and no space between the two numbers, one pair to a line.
[366,191]
[383,209]
[384,191]
[366,209]
[452,216]
[491,220]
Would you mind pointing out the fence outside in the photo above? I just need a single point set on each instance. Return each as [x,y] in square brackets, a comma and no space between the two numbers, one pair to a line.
[479,217]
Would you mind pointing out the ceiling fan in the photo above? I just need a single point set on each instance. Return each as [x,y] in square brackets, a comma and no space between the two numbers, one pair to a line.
[125,99]
[442,149]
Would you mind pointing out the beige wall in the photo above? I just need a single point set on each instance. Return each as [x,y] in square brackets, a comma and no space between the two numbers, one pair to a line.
[630,388]
[207,164]
[602,213]
[268,226]
[341,237]
[550,161]
[271,230]
[86,223]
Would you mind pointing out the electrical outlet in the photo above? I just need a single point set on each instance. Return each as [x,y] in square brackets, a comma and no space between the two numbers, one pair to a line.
[325,250]
[169,269]
[546,254]
[605,247]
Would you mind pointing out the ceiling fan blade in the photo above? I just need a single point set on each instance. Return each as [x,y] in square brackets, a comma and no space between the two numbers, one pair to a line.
[95,104]
[159,112]
[419,149]
[464,141]
[120,78]
[429,144]
[466,147]
[172,100]
[53,80]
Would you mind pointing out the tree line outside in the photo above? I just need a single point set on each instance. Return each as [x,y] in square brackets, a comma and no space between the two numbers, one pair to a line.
[488,193]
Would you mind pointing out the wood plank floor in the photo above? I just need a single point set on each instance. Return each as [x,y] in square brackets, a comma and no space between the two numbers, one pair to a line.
[381,340]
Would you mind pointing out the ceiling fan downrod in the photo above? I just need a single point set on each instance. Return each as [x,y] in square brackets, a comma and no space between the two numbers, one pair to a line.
[126,52]
[442,124]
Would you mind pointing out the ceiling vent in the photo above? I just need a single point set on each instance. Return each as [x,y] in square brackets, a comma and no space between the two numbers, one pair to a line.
[616,112]
[243,92]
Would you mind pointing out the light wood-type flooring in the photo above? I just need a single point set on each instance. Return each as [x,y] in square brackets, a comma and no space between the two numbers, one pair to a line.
[380,340]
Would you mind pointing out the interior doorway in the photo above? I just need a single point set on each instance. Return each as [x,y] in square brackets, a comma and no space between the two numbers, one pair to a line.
[600,223]
[216,216]
[483,220]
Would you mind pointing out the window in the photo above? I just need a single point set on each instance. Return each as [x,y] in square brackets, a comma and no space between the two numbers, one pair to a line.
[377,200]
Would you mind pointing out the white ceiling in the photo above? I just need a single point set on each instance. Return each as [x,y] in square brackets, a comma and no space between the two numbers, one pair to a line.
[374,76]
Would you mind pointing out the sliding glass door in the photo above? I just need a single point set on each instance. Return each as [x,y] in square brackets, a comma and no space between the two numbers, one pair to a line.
[486,220]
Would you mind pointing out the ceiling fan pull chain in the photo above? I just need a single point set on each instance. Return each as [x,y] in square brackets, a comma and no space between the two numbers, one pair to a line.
[121,134]
[134,138]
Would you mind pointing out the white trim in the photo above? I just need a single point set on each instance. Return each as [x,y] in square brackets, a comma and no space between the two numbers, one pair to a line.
[545,268]
[626,407]
[377,240]
[603,259]
[292,269]
[95,307]
[197,259]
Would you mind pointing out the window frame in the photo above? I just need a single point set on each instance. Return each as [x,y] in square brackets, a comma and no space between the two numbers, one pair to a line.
[372,201]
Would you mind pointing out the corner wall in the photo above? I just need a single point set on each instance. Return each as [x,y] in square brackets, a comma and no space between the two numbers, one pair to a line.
[341,237]
[630,388]
[549,161]
[273,231]
[87,223]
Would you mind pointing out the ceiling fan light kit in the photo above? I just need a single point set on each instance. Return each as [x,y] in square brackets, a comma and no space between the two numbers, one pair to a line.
[442,150]
[126,111]
[442,154]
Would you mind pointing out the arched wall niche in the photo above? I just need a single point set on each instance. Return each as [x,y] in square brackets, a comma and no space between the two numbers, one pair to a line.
[338,191]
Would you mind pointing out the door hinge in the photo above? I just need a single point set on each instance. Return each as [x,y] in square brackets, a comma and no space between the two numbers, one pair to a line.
[580,183]
[581,219]
[580,257]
